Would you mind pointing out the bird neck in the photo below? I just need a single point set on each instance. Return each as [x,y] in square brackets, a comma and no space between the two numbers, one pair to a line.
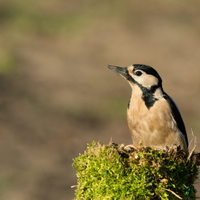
[144,96]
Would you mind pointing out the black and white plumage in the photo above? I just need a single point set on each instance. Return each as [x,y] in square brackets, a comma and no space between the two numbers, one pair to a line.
[153,117]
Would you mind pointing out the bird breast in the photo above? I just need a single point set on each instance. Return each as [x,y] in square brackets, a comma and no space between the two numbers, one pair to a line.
[156,117]
[152,126]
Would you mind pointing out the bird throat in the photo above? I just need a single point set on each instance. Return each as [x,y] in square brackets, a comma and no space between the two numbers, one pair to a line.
[147,94]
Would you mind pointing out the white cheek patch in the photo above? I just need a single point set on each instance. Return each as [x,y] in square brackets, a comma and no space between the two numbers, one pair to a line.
[147,80]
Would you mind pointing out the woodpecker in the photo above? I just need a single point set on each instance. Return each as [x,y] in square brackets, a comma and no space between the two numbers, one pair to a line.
[153,118]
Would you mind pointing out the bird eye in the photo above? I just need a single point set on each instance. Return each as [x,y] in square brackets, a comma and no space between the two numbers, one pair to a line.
[138,73]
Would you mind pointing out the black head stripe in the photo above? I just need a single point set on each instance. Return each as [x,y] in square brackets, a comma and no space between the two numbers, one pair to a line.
[147,93]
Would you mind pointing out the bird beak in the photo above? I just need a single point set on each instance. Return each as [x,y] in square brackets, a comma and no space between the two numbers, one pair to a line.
[120,70]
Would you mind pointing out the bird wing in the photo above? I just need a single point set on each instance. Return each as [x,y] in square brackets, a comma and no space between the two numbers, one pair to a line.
[177,116]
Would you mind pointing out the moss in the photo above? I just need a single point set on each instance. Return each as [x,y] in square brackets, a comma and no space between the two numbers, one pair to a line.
[110,172]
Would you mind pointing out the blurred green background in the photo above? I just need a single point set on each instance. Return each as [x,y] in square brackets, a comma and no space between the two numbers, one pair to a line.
[57,95]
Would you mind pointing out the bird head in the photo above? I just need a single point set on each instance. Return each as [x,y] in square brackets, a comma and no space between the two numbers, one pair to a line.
[142,75]
[144,81]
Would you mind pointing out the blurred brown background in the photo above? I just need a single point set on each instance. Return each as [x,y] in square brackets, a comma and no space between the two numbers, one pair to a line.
[57,94]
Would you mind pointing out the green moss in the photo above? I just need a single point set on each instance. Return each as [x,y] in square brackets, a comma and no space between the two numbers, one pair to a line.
[109,172]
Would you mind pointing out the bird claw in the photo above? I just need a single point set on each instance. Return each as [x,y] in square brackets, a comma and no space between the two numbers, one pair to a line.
[130,148]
